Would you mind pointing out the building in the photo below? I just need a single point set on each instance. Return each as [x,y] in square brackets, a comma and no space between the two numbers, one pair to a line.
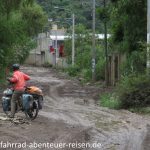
[40,55]
[47,50]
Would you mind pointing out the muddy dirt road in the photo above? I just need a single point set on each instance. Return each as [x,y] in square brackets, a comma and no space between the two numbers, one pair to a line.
[72,117]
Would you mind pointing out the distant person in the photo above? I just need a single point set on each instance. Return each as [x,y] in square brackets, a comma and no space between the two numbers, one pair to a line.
[61,50]
[19,82]
[52,50]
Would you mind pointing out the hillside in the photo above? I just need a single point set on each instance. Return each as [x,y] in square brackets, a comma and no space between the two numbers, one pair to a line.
[81,8]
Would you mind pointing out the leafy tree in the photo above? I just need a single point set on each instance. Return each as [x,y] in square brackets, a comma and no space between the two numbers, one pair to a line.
[83,55]
[35,18]
[9,5]
[81,8]
[129,30]
[129,23]
[15,38]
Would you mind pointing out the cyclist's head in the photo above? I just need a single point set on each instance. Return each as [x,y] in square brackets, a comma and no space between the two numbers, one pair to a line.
[15,67]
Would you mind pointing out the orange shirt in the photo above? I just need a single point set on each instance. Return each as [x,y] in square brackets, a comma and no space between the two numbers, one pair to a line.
[19,79]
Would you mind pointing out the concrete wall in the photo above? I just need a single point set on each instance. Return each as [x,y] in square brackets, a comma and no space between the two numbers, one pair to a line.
[41,54]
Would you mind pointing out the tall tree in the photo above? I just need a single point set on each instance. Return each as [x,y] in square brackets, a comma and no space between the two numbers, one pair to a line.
[15,38]
[129,23]
[35,18]
[129,32]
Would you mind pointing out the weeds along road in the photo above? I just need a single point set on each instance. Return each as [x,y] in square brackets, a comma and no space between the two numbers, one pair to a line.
[71,115]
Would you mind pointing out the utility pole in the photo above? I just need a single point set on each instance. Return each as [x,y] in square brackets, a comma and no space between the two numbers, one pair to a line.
[148,37]
[93,43]
[73,34]
[73,39]
[56,48]
[55,45]
[106,48]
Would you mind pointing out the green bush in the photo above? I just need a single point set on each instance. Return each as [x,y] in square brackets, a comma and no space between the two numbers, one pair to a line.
[134,91]
[83,56]
[86,74]
[73,70]
[110,101]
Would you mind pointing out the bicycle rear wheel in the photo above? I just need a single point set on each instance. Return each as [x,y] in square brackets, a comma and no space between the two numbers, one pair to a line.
[33,111]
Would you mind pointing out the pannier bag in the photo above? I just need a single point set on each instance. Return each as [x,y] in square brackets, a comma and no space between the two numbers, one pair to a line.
[6,103]
[27,101]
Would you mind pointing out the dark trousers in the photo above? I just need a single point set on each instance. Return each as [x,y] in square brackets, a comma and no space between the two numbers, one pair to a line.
[15,100]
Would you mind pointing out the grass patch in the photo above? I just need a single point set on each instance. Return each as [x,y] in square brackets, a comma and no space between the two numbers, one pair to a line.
[110,101]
